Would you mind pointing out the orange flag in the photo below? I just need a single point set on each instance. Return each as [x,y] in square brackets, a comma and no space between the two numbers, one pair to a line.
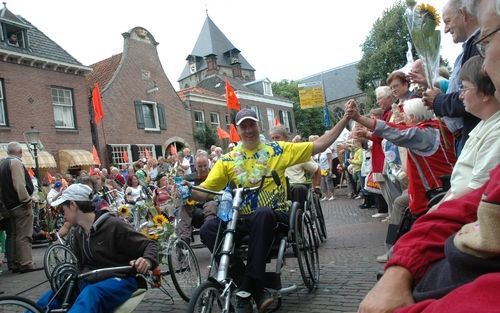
[277,121]
[148,154]
[50,178]
[222,134]
[30,172]
[125,156]
[173,150]
[95,156]
[231,99]
[97,104]
[233,133]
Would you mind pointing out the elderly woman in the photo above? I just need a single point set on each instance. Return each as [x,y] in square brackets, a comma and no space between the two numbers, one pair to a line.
[428,159]
[481,152]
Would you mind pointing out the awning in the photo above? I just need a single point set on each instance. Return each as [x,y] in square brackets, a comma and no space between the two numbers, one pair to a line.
[45,159]
[71,158]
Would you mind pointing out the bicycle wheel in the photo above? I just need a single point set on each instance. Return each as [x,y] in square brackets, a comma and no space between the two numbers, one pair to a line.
[57,254]
[183,268]
[300,246]
[15,304]
[207,298]
[310,250]
[320,218]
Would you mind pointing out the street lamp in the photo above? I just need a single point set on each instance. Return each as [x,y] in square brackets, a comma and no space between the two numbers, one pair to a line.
[376,82]
[32,137]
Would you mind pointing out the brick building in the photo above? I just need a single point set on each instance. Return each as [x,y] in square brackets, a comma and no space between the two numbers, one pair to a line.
[42,85]
[213,59]
[142,111]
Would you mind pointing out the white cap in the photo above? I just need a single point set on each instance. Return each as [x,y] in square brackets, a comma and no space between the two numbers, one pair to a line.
[75,192]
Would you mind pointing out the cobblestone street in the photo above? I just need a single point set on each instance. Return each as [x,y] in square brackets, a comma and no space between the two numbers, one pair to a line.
[347,259]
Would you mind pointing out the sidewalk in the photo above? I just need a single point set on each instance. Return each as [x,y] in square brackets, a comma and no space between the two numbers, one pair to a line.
[347,258]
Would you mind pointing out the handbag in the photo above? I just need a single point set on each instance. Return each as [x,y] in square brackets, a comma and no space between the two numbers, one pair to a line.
[371,185]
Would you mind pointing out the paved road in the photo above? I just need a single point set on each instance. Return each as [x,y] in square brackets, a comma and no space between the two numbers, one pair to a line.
[347,261]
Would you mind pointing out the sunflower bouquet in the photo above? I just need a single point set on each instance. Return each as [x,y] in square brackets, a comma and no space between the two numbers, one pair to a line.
[158,228]
[422,21]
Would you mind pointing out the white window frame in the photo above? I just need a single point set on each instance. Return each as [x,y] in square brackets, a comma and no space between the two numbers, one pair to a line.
[270,117]
[267,88]
[257,111]
[57,105]
[141,148]
[117,154]
[215,124]
[286,120]
[3,116]
[199,124]
[228,120]
[155,112]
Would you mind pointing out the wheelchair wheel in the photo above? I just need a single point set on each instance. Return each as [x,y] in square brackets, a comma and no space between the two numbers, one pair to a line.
[311,250]
[15,304]
[57,254]
[207,298]
[300,247]
[320,218]
[311,209]
[183,268]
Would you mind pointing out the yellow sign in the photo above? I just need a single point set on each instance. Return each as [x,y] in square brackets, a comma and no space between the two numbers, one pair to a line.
[311,95]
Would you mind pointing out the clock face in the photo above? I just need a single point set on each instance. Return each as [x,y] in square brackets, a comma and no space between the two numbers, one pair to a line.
[192,68]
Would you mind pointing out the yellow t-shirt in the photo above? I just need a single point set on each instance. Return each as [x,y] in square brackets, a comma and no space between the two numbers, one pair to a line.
[281,156]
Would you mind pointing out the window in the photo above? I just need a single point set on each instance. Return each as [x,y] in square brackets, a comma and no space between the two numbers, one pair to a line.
[3,116]
[268,90]
[214,119]
[199,119]
[13,35]
[146,151]
[287,120]
[121,154]
[228,121]
[62,100]
[150,115]
[270,118]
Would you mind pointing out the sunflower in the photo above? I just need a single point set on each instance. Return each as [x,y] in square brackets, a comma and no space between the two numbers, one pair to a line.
[160,219]
[190,202]
[153,236]
[427,8]
[124,210]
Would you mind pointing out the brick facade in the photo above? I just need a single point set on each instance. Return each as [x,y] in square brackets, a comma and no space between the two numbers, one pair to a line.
[139,76]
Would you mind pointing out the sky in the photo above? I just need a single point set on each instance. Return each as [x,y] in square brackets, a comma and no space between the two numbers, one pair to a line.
[281,39]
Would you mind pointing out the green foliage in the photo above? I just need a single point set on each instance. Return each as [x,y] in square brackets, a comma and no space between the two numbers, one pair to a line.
[384,50]
[308,122]
[206,136]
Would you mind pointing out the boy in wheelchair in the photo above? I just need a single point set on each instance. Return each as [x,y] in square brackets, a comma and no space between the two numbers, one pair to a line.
[245,166]
[102,240]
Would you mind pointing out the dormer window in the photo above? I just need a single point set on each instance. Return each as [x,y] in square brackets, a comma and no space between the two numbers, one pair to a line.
[267,88]
[14,35]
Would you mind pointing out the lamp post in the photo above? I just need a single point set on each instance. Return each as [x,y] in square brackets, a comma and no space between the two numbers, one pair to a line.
[32,137]
[375,81]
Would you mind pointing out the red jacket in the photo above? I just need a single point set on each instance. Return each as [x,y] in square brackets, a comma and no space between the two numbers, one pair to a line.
[424,244]
[378,156]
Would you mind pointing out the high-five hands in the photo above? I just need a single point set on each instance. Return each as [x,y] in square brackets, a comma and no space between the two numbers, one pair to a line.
[351,109]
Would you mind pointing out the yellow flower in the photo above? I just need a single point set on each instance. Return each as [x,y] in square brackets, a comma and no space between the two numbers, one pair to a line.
[190,202]
[160,219]
[153,236]
[431,10]
[123,210]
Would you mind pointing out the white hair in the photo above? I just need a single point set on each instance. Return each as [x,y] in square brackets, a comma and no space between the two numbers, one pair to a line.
[473,5]
[14,147]
[417,108]
[383,91]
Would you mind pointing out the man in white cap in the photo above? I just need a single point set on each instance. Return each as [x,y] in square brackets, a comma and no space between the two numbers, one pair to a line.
[245,166]
[103,240]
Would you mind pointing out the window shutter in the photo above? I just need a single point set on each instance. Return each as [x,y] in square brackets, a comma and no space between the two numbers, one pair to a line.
[135,153]
[161,115]
[280,114]
[290,121]
[139,115]
[158,151]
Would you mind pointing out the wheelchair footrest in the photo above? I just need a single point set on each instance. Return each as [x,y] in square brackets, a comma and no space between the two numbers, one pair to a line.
[272,280]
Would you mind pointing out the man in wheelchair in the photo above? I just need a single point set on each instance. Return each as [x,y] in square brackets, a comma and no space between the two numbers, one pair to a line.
[245,166]
[102,240]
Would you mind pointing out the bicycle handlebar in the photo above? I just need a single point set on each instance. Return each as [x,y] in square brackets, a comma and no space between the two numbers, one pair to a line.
[108,270]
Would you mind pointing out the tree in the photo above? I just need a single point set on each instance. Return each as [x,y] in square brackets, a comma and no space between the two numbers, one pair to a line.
[206,136]
[308,122]
[384,50]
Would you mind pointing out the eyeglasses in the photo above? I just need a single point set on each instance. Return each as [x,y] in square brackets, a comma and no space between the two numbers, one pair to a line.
[463,90]
[482,46]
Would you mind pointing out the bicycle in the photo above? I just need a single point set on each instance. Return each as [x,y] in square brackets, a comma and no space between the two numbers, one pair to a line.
[217,293]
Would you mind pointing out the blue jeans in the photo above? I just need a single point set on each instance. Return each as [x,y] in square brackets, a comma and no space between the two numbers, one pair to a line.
[101,297]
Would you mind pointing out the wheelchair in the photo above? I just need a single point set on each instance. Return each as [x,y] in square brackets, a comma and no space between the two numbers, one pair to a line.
[217,294]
